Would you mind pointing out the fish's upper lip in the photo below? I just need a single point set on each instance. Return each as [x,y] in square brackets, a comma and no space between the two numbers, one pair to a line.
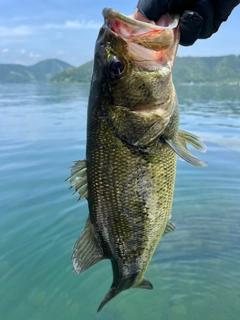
[109,13]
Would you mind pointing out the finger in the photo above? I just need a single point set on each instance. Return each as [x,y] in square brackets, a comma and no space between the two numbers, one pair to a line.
[179,6]
[205,9]
[152,9]
[190,27]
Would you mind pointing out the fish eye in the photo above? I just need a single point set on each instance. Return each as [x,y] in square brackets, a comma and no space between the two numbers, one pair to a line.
[116,66]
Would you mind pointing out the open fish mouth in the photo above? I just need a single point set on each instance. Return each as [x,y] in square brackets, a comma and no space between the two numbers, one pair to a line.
[148,43]
[156,36]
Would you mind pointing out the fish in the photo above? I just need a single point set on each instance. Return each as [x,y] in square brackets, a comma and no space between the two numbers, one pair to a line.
[133,140]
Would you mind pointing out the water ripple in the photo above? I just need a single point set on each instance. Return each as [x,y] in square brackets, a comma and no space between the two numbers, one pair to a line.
[195,269]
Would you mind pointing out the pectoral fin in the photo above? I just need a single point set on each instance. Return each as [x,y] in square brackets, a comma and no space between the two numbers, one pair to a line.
[179,145]
[187,137]
[87,251]
[78,178]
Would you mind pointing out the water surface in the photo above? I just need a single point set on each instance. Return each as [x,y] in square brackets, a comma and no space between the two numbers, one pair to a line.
[195,270]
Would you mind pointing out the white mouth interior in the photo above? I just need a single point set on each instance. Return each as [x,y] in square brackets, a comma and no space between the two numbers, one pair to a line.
[129,27]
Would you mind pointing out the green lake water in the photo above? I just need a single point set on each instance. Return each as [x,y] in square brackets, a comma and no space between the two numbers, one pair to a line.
[195,270]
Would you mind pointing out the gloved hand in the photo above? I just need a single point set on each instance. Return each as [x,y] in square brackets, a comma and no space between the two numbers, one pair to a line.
[199,18]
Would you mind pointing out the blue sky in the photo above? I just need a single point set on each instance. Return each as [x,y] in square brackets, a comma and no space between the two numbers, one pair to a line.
[31,31]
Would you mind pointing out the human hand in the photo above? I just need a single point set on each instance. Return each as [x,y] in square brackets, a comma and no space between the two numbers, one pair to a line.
[199,18]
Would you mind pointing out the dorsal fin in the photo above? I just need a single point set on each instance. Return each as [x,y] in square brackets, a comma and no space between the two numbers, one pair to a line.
[78,178]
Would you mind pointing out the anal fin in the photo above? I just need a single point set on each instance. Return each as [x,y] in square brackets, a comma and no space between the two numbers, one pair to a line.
[87,251]
[78,178]
[179,145]
[145,284]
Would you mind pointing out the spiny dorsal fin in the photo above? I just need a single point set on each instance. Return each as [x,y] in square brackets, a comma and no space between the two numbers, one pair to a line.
[169,227]
[78,178]
[86,251]
[180,147]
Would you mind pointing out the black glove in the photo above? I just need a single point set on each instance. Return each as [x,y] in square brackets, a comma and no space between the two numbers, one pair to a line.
[199,18]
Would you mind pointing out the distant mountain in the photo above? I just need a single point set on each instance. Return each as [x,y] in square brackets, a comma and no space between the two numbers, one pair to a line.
[207,70]
[75,75]
[40,72]
[187,70]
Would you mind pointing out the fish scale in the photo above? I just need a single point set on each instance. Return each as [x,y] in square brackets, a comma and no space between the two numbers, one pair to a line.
[132,144]
[135,203]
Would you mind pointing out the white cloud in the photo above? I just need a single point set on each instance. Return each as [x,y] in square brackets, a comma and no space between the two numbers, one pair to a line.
[22,51]
[17,31]
[5,50]
[16,19]
[18,62]
[25,30]
[34,55]
[75,24]
[60,52]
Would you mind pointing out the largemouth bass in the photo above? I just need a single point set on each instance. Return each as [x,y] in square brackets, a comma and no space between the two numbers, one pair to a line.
[132,143]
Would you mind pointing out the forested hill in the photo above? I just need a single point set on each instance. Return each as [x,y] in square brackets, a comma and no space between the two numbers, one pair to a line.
[187,70]
[75,75]
[42,71]
[207,70]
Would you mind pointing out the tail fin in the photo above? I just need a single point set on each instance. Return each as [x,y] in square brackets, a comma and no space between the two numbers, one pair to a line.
[113,291]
